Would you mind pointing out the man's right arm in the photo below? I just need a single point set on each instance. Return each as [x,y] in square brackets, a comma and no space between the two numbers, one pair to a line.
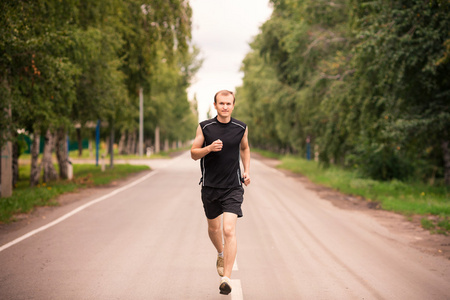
[197,149]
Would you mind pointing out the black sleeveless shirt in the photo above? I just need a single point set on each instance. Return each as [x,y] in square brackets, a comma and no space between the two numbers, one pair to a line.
[221,169]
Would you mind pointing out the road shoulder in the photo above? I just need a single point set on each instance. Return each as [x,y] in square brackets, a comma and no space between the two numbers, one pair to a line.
[41,216]
[410,231]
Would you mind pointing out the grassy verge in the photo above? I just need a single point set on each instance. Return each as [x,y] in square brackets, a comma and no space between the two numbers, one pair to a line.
[25,198]
[407,198]
[86,155]
[267,154]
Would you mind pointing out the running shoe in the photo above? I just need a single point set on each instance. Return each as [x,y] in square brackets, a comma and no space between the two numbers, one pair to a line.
[225,286]
[219,265]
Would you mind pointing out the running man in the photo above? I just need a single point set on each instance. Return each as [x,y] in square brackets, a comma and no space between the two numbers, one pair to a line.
[220,143]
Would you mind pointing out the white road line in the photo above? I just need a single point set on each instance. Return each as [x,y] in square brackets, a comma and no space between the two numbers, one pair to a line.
[236,293]
[75,211]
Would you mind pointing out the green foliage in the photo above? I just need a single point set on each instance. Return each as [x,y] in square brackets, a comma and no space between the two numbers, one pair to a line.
[381,162]
[168,105]
[38,80]
[157,56]
[400,46]
[80,61]
[71,63]
[366,81]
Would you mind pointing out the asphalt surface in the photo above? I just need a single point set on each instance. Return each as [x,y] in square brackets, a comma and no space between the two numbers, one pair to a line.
[149,241]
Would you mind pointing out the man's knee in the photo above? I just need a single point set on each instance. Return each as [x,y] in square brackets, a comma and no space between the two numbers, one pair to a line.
[229,231]
[229,225]
[213,229]
[214,226]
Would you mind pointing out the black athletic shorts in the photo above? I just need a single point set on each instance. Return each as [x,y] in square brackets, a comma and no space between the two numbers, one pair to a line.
[216,201]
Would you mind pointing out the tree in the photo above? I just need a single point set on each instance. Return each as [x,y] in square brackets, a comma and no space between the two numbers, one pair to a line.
[38,77]
[79,61]
[403,48]
[155,42]
[366,80]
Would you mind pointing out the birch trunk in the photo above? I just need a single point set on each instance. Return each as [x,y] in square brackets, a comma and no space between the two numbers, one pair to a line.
[166,145]
[47,163]
[62,153]
[128,146]
[35,172]
[132,142]
[157,140]
[107,146]
[135,142]
[121,147]
[111,146]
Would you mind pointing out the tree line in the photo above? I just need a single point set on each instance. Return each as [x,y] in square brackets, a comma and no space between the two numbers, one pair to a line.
[66,64]
[365,82]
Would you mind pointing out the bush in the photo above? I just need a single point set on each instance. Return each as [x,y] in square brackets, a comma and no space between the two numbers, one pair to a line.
[383,163]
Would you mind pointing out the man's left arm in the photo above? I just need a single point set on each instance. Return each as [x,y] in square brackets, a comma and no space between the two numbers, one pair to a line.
[245,156]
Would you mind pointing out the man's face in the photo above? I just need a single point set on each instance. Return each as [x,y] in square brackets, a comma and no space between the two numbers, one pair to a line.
[224,105]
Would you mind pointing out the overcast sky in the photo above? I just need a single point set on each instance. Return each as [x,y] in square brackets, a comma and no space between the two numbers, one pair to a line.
[223,29]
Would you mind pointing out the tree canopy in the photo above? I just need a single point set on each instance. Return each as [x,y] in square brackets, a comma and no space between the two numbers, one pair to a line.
[366,81]
[71,63]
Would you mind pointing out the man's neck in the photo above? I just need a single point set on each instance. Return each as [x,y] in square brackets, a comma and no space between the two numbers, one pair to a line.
[223,120]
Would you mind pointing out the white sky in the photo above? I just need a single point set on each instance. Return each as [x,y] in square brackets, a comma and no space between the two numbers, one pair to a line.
[223,29]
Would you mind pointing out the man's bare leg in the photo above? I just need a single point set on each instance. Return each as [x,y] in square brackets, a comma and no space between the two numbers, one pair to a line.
[215,233]
[230,249]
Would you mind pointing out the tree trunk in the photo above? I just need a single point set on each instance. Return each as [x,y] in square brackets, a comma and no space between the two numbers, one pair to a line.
[166,145]
[80,142]
[90,148]
[6,152]
[6,169]
[35,172]
[107,146]
[111,146]
[15,163]
[122,142]
[49,170]
[148,143]
[132,142]
[135,142]
[446,155]
[62,153]
[157,140]
[128,147]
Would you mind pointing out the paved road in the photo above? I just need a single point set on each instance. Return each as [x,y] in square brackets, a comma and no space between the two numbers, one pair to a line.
[149,241]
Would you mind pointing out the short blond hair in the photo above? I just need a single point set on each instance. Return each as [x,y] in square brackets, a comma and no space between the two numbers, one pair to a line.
[224,93]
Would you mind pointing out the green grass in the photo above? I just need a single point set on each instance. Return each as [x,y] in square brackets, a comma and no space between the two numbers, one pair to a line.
[267,154]
[440,225]
[25,198]
[86,155]
[407,198]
